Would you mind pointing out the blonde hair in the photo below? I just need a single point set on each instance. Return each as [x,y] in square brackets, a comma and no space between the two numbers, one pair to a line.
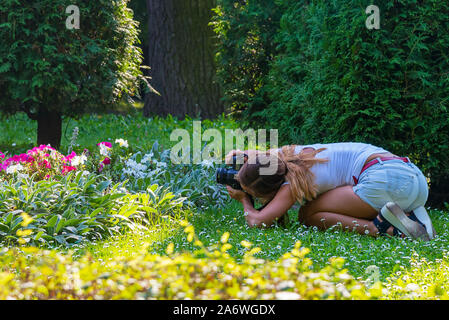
[292,168]
[299,175]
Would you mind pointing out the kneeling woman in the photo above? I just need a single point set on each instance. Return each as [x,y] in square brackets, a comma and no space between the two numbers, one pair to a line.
[358,186]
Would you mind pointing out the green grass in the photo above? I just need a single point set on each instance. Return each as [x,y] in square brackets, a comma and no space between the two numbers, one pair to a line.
[390,255]
[360,252]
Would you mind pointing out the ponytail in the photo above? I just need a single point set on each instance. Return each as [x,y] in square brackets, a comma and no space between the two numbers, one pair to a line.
[298,174]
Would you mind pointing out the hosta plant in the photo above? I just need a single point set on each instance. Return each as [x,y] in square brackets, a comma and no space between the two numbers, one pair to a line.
[65,210]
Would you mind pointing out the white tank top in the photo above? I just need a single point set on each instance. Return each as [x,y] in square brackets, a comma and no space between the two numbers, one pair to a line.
[346,160]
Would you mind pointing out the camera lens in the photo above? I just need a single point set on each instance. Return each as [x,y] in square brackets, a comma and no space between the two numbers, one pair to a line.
[227,177]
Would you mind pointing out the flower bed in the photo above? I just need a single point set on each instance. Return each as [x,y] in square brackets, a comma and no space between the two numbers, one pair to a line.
[75,198]
[44,161]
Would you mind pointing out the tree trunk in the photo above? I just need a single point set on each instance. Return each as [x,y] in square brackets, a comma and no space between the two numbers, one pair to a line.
[181,57]
[49,128]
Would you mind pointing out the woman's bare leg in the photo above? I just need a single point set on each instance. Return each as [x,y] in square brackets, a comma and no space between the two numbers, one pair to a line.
[340,206]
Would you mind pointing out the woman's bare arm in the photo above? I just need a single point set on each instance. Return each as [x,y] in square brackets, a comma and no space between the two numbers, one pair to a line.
[276,208]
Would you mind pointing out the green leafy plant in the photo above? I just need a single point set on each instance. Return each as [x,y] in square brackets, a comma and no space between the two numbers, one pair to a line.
[65,210]
[145,209]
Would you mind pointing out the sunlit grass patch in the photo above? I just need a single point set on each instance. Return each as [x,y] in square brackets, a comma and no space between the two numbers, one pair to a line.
[425,279]
[360,252]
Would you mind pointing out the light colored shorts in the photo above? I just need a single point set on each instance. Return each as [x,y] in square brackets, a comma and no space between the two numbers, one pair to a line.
[393,180]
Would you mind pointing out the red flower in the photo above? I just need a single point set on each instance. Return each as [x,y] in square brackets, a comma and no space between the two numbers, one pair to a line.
[66,169]
[106,161]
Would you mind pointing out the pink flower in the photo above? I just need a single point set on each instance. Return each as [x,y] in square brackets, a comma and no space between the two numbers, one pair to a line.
[100,168]
[46,164]
[70,156]
[106,161]
[2,156]
[107,144]
[43,147]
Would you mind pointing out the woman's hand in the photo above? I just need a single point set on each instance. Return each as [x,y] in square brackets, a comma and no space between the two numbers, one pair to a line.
[238,195]
[228,158]
[252,219]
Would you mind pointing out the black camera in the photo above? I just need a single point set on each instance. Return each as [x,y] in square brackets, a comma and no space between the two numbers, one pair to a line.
[227,176]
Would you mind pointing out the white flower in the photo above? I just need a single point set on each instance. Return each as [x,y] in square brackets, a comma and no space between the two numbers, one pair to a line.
[161,164]
[147,158]
[122,143]
[207,163]
[104,150]
[283,295]
[14,168]
[53,154]
[76,161]
[412,287]
[135,169]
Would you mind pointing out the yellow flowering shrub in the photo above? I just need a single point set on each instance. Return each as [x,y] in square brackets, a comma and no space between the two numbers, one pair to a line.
[207,273]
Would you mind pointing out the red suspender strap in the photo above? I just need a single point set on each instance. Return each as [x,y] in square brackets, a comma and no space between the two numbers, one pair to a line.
[375,161]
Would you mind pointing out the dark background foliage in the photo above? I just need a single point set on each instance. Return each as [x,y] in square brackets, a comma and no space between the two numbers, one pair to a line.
[325,77]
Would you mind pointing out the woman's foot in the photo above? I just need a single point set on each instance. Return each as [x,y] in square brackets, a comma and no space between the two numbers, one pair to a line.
[392,216]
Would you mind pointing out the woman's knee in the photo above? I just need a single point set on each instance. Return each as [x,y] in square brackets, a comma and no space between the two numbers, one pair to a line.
[305,212]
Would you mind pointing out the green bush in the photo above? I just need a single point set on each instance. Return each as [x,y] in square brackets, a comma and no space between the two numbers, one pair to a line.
[333,79]
[42,63]
[64,210]
[69,210]
[205,274]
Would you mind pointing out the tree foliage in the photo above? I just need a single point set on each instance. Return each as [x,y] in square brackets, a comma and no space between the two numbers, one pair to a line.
[246,30]
[45,65]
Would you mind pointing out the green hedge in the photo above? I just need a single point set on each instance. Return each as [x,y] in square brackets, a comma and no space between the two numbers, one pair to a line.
[245,30]
[332,79]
